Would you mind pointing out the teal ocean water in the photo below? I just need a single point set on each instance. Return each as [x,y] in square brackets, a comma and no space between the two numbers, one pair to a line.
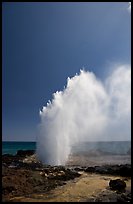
[115,147]
[13,147]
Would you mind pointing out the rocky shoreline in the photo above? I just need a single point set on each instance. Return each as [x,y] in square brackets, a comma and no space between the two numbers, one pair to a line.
[23,174]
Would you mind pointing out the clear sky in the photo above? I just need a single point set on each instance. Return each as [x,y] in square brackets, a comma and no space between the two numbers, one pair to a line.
[44,43]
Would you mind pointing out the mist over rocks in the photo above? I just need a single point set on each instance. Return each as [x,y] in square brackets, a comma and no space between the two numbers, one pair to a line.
[86,110]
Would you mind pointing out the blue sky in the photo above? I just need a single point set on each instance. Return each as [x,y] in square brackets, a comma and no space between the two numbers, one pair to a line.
[44,43]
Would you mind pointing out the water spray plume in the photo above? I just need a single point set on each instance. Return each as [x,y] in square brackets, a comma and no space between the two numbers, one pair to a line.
[86,110]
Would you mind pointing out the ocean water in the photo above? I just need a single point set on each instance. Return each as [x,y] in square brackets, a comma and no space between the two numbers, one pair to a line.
[115,147]
[13,147]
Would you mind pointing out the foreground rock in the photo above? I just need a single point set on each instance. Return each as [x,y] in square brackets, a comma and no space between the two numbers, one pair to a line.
[21,177]
[23,174]
[18,182]
[118,185]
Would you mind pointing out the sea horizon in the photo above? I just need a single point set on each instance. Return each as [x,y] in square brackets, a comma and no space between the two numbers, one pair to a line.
[118,147]
[84,141]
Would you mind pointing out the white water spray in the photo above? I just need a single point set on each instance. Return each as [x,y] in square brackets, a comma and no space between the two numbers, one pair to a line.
[86,110]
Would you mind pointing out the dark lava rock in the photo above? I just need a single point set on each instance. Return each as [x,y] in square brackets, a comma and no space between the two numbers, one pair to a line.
[29,166]
[117,184]
[60,173]
[125,170]
[8,189]
[90,169]
[121,170]
[26,180]
[79,168]
[23,153]
[8,159]
[110,196]
[124,198]
[16,161]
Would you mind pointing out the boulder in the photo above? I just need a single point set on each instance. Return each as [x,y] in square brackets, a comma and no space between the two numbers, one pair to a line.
[117,184]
